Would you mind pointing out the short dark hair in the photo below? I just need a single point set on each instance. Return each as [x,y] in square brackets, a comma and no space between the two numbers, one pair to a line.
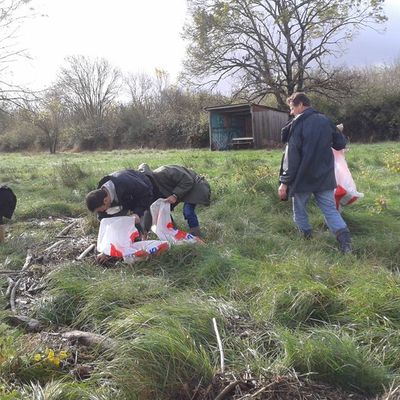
[95,199]
[297,98]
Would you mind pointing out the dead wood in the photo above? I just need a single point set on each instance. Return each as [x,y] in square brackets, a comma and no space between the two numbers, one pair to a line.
[29,324]
[13,295]
[89,339]
[227,390]
[86,252]
[28,260]
[221,350]
[67,228]
[10,286]
[54,245]
[10,272]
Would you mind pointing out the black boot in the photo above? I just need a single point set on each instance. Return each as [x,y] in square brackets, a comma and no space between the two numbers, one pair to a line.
[344,239]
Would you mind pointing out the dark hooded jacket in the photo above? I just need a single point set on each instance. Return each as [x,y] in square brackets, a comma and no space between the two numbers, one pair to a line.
[134,191]
[8,202]
[187,185]
[309,164]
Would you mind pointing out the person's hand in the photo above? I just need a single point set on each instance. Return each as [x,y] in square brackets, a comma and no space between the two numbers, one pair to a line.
[171,199]
[102,258]
[282,191]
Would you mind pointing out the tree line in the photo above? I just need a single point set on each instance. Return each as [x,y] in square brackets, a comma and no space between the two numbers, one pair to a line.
[263,50]
[93,106]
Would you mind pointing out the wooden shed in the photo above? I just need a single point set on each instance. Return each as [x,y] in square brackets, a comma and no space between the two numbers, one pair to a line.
[245,125]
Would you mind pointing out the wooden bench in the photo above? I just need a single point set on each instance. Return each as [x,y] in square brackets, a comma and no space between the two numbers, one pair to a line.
[243,142]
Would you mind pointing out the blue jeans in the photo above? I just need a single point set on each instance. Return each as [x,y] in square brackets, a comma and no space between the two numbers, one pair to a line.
[190,215]
[326,203]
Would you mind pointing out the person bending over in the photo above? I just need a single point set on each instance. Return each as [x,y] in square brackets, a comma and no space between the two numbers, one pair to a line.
[179,184]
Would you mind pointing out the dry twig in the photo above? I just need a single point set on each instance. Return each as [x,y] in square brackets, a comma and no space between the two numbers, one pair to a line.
[13,295]
[221,350]
[54,245]
[227,390]
[86,252]
[67,228]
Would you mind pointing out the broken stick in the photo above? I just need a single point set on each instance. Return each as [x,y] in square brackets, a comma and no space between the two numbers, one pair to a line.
[86,252]
[221,350]
[67,228]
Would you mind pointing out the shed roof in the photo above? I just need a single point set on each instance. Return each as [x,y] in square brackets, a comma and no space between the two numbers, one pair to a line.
[230,108]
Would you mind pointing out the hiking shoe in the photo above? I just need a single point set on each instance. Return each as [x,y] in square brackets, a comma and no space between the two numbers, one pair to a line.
[307,234]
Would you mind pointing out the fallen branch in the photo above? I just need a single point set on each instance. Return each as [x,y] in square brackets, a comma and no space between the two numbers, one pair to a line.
[221,350]
[86,252]
[30,324]
[12,296]
[10,286]
[227,390]
[10,272]
[89,339]
[264,388]
[54,245]
[67,228]
[28,260]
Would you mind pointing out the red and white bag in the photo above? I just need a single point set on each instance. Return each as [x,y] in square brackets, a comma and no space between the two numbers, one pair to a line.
[117,237]
[345,192]
[163,226]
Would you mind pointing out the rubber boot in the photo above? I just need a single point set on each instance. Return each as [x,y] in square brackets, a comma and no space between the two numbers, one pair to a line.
[195,231]
[2,233]
[344,239]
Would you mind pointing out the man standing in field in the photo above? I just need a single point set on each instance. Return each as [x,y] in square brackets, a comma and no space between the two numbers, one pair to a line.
[308,168]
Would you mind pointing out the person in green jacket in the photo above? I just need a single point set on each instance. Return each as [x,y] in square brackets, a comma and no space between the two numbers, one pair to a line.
[178,184]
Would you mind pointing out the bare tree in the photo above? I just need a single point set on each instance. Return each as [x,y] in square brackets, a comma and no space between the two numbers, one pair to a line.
[273,47]
[141,89]
[12,15]
[49,114]
[89,87]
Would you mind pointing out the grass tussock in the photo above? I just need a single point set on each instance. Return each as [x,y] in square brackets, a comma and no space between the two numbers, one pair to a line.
[164,362]
[335,357]
[281,303]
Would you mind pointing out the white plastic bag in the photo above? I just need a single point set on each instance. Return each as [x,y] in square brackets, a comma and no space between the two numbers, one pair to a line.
[163,226]
[345,192]
[117,237]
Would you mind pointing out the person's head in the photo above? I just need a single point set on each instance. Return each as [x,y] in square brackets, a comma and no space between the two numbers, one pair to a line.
[298,102]
[98,200]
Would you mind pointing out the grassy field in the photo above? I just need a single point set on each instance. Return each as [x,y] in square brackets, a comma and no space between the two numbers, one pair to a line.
[286,309]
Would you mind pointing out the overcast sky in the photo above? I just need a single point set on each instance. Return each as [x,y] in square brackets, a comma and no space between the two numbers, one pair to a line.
[140,35]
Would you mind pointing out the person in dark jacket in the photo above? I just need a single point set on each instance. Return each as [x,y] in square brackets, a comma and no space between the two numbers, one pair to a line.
[308,167]
[119,193]
[179,184]
[8,202]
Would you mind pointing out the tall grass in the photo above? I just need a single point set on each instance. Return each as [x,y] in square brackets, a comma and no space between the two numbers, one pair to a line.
[281,302]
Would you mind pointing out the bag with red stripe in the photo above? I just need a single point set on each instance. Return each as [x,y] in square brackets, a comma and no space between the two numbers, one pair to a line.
[164,228]
[117,238]
[346,191]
